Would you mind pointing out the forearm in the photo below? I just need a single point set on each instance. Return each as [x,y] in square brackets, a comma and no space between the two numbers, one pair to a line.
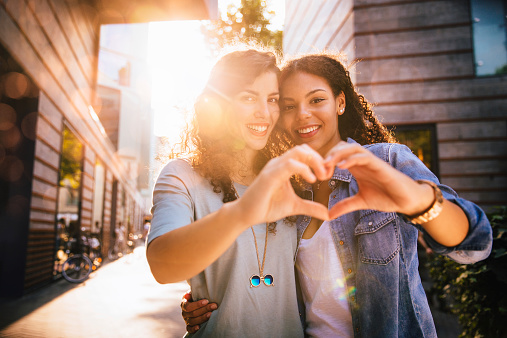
[169,256]
[451,226]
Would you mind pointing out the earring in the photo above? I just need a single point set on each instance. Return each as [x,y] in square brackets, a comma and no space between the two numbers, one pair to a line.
[342,110]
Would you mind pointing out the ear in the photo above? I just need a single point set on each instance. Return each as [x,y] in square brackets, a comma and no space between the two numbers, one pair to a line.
[340,103]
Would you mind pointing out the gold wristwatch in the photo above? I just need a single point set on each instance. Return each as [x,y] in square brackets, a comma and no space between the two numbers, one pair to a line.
[435,208]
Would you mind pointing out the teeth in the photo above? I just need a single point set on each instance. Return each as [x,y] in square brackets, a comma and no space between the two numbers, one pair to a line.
[257,128]
[307,130]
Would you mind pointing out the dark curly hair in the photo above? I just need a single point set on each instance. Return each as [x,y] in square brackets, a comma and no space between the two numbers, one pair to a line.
[206,142]
[358,121]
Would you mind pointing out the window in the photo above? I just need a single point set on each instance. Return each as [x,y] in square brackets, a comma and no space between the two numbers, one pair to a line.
[69,198]
[421,139]
[489,36]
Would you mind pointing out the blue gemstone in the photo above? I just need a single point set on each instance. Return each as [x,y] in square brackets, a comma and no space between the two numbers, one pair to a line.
[255,280]
[268,280]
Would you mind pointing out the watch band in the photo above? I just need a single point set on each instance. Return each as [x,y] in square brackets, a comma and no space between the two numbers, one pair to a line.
[435,208]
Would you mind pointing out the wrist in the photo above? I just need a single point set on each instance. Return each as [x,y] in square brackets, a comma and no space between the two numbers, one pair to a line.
[432,209]
[232,212]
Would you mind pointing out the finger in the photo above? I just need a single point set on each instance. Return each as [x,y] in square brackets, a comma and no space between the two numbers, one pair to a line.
[355,161]
[200,311]
[188,296]
[311,158]
[187,306]
[192,329]
[340,152]
[312,209]
[345,206]
[294,167]
[197,321]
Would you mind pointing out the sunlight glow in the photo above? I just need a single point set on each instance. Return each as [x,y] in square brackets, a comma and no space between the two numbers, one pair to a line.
[180,64]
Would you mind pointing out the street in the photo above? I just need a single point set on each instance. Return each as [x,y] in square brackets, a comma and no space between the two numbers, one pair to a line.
[120,299]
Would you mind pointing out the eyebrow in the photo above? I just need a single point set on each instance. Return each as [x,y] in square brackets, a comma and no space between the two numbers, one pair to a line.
[308,94]
[256,93]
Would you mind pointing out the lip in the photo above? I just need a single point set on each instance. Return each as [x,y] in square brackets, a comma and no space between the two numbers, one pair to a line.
[310,130]
[258,129]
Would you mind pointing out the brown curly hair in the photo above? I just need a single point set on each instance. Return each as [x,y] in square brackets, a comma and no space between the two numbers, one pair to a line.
[206,142]
[358,122]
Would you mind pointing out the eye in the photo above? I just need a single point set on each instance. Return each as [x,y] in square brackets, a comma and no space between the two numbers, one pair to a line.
[273,100]
[248,98]
[316,100]
[288,107]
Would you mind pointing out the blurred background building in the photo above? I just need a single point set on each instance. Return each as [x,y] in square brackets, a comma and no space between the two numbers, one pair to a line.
[436,70]
[73,147]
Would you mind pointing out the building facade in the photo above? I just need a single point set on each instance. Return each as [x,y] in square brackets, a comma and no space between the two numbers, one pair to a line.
[435,70]
[60,171]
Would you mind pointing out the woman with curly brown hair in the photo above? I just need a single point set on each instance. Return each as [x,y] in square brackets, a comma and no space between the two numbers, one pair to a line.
[225,199]
[358,272]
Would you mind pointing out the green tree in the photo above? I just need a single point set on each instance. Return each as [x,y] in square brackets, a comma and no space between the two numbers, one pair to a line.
[248,22]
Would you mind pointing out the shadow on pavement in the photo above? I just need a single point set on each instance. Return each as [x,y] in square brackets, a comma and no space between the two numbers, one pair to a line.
[11,310]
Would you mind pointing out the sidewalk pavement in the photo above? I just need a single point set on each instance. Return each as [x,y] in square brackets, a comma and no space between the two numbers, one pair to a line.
[120,299]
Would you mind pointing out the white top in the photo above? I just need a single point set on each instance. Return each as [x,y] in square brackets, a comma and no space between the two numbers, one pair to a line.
[322,283]
[182,196]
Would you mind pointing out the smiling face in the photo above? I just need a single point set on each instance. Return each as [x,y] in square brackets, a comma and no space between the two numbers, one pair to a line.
[310,111]
[255,111]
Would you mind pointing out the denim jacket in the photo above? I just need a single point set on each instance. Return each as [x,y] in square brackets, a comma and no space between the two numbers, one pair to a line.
[378,253]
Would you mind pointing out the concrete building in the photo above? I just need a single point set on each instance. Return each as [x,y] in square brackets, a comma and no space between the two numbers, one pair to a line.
[435,69]
[62,169]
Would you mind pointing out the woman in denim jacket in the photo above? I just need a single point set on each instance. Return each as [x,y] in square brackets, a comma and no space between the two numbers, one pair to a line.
[358,273]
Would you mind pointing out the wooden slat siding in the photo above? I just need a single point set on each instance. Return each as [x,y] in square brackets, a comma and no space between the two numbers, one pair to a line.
[50,113]
[322,26]
[375,20]
[414,42]
[289,27]
[53,31]
[336,20]
[298,24]
[16,38]
[107,210]
[43,204]
[359,4]
[39,264]
[312,17]
[473,148]
[465,130]
[488,183]
[437,92]
[63,17]
[45,170]
[87,25]
[47,133]
[415,69]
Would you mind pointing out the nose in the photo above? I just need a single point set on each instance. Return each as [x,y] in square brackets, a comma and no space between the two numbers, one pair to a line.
[303,113]
[262,110]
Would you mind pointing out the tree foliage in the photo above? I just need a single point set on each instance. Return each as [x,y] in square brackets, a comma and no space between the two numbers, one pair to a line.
[246,23]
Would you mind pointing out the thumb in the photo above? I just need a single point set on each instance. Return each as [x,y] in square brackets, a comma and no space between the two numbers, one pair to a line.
[345,206]
[313,209]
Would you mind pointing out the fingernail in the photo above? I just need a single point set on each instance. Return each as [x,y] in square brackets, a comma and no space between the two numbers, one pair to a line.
[204,302]
[208,314]
[196,327]
[213,306]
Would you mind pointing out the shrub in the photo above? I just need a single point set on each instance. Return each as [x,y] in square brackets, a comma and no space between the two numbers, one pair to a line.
[477,293]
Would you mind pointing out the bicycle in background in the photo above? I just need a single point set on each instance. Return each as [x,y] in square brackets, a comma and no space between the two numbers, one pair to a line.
[88,258]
